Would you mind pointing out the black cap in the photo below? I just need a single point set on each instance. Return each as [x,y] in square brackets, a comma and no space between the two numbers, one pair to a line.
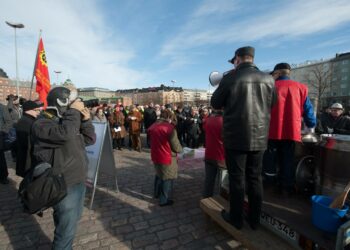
[30,105]
[11,96]
[282,66]
[243,51]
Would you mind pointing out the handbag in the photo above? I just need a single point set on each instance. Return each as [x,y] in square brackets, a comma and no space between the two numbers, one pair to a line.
[41,188]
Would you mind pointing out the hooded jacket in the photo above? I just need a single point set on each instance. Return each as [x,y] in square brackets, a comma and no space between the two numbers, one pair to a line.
[67,138]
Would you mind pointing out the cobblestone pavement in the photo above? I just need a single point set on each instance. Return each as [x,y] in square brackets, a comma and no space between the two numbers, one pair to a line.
[130,219]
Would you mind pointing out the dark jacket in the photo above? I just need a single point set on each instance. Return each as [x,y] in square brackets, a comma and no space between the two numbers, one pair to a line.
[67,137]
[341,125]
[23,130]
[247,96]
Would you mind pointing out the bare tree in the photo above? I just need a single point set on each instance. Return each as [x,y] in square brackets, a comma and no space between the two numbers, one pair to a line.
[319,80]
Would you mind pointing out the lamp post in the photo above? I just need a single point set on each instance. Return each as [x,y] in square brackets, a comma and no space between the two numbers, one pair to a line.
[57,72]
[16,26]
[173,82]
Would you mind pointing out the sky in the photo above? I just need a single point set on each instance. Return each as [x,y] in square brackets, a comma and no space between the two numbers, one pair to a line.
[142,43]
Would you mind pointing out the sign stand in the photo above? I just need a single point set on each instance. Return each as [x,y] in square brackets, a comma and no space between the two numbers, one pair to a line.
[101,149]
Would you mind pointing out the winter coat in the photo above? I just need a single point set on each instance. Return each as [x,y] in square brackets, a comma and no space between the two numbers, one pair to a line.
[24,145]
[116,120]
[67,138]
[135,125]
[164,148]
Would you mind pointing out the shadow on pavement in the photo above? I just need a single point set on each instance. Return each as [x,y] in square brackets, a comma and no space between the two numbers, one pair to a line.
[18,229]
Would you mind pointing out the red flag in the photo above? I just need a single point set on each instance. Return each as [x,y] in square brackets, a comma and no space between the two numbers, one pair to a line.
[42,74]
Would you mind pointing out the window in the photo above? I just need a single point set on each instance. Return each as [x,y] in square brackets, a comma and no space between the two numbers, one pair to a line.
[345,62]
[344,78]
[343,86]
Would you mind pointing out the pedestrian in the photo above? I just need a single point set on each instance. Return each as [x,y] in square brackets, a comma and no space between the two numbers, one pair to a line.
[135,120]
[6,124]
[164,148]
[335,122]
[100,115]
[60,135]
[247,95]
[214,156]
[285,127]
[31,110]
[116,121]
[150,117]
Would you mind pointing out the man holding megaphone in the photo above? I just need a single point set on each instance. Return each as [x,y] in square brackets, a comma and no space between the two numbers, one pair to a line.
[246,95]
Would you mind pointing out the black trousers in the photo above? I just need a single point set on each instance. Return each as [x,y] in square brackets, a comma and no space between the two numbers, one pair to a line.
[244,169]
[3,165]
[279,158]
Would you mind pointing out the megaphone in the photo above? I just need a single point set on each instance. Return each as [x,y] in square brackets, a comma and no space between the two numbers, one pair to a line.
[215,77]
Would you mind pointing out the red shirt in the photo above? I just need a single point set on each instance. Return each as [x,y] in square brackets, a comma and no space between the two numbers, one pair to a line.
[214,146]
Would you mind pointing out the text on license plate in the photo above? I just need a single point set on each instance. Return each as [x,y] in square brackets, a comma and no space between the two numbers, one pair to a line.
[279,226]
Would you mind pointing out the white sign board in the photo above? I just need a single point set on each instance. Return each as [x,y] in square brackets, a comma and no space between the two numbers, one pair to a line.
[101,158]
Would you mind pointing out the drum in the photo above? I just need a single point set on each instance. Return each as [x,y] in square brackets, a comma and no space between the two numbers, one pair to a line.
[333,160]
[306,174]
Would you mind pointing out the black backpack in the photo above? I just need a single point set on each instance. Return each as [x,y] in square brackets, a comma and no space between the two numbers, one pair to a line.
[41,189]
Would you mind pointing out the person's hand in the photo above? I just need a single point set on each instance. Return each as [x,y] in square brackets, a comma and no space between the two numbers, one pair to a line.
[86,114]
[78,105]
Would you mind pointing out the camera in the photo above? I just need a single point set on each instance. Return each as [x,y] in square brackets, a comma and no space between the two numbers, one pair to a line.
[91,103]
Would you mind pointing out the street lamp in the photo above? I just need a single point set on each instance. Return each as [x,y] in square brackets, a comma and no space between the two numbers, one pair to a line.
[57,73]
[16,26]
[173,81]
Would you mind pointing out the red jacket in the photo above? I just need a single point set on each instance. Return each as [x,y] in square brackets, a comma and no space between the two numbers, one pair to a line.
[160,133]
[286,115]
[214,147]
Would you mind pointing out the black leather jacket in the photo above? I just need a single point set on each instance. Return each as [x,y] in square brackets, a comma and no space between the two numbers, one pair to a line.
[247,96]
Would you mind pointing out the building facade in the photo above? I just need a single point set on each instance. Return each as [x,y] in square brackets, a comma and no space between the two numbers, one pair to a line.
[8,86]
[96,92]
[328,80]
[158,95]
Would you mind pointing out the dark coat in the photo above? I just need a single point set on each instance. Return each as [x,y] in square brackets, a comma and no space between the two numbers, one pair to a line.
[67,137]
[341,125]
[247,96]
[149,117]
[24,146]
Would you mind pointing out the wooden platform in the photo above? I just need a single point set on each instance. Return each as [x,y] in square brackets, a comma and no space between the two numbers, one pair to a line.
[259,239]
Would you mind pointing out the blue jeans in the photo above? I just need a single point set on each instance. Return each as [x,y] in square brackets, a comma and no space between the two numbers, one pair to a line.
[66,215]
[162,189]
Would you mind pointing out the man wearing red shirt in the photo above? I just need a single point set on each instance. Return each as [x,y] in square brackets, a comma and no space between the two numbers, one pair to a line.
[285,126]
[214,150]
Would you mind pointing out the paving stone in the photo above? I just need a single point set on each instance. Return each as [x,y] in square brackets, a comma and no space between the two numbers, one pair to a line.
[170,244]
[168,233]
[144,240]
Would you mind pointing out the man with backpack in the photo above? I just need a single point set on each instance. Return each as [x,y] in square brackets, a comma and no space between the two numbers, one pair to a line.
[60,135]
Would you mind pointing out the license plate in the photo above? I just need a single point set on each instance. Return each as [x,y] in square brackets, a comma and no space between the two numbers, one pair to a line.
[279,226]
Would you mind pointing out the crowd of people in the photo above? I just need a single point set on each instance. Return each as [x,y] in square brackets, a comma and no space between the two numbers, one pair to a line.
[251,127]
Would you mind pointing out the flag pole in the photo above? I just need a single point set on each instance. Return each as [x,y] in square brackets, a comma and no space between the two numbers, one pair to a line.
[36,58]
